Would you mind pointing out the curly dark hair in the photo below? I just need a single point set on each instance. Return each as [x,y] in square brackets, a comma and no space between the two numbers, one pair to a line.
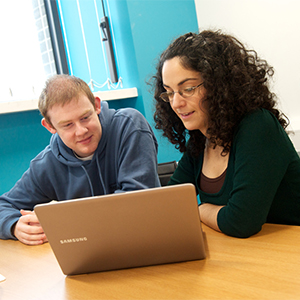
[236,81]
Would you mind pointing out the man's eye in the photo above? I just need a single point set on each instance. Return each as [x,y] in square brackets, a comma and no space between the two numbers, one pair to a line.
[85,118]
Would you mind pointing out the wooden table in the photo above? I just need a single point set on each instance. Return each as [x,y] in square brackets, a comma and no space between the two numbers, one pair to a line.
[264,266]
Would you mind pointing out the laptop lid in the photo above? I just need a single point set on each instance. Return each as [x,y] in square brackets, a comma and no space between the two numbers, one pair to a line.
[124,230]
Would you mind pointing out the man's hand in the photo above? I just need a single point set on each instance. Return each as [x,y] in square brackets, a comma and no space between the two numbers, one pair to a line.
[28,230]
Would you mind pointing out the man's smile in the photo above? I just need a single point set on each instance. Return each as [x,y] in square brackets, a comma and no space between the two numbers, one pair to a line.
[85,141]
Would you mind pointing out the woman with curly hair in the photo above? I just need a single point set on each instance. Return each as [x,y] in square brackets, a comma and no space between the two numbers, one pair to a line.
[214,104]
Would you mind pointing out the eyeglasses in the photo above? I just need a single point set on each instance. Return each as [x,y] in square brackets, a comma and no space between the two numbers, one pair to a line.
[185,93]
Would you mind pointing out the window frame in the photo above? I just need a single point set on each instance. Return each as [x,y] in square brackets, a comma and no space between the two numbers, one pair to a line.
[59,52]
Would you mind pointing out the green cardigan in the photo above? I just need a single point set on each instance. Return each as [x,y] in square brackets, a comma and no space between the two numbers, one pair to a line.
[262,182]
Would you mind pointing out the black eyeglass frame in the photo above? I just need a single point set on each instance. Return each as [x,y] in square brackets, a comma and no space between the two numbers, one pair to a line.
[170,95]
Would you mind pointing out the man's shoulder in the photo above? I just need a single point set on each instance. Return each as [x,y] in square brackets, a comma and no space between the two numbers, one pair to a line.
[131,117]
[129,112]
[44,156]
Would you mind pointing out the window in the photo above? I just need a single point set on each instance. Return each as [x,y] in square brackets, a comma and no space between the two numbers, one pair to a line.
[35,35]
[27,58]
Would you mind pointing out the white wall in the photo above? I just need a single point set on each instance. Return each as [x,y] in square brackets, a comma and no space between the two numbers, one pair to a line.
[272,28]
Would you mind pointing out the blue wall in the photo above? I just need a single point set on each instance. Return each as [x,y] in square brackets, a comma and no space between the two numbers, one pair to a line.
[21,138]
[154,25]
[142,30]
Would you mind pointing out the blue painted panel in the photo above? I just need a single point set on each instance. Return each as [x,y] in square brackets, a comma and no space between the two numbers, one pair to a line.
[22,137]
[154,25]
[83,38]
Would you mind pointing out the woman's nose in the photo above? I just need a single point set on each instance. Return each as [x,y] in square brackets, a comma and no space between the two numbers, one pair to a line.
[178,100]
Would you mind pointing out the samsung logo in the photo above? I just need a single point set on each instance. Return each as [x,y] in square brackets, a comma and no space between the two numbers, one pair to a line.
[75,240]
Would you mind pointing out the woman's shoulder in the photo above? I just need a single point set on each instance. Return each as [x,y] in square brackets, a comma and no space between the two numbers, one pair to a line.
[260,115]
[261,129]
[260,120]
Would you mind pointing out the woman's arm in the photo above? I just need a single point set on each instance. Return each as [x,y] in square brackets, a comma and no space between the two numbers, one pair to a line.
[208,215]
[261,155]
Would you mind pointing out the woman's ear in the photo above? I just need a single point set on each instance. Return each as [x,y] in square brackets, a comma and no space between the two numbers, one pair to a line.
[48,126]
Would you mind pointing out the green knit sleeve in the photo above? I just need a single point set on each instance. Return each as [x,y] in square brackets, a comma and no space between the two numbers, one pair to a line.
[260,152]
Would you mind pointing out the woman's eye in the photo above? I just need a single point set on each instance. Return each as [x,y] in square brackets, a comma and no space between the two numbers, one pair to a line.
[189,89]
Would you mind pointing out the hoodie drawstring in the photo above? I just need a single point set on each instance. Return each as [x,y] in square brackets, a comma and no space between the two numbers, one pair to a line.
[100,176]
[89,180]
[101,179]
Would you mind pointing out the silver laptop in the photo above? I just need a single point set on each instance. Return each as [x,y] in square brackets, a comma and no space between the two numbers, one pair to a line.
[124,230]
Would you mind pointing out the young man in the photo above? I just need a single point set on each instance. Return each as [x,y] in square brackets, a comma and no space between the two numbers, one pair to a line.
[94,150]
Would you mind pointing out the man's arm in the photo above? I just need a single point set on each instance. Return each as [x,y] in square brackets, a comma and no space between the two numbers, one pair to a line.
[23,196]
[138,163]
[134,152]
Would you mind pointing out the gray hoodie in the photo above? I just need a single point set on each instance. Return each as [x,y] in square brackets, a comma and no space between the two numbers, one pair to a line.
[125,160]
